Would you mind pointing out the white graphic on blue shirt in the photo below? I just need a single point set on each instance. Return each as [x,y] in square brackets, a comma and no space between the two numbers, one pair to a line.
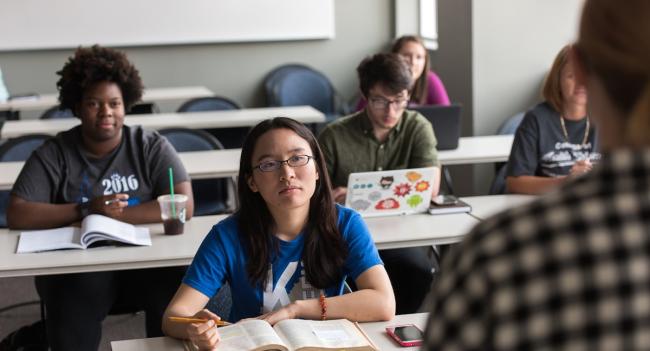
[279,296]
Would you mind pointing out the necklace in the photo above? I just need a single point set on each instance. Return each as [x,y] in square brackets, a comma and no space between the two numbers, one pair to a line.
[566,134]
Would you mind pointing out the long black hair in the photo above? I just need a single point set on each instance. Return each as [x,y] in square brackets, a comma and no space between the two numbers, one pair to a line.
[325,250]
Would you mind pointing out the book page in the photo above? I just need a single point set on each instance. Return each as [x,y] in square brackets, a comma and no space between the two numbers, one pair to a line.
[249,335]
[97,227]
[50,239]
[333,334]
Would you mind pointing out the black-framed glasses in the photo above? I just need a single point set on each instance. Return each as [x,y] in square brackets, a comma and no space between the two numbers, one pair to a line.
[380,103]
[293,161]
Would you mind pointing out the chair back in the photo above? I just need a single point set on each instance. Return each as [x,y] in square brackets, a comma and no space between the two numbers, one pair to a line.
[508,127]
[144,108]
[57,112]
[231,138]
[17,149]
[210,103]
[210,195]
[296,84]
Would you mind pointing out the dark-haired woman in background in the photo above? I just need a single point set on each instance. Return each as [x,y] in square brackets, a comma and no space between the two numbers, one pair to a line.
[286,246]
[427,87]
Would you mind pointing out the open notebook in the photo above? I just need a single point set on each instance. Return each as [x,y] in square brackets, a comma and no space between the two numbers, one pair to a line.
[395,192]
[94,228]
[293,334]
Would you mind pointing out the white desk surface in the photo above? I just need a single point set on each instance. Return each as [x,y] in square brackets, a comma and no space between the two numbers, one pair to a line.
[392,232]
[486,206]
[165,251]
[376,331]
[478,149]
[198,164]
[225,163]
[195,120]
[45,101]
[178,250]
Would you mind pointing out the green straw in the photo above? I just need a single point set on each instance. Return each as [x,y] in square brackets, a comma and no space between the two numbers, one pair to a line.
[171,191]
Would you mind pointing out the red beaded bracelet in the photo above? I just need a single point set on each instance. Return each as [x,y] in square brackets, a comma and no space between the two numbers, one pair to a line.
[323,307]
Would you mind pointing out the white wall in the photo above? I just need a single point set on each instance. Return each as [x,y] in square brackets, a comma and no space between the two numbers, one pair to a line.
[235,70]
[514,44]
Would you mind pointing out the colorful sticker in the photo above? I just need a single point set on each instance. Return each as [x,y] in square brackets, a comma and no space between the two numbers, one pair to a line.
[386,182]
[360,205]
[422,185]
[387,204]
[413,176]
[374,196]
[362,186]
[402,189]
[414,200]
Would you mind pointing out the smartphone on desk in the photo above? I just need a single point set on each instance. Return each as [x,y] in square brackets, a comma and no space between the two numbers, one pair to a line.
[406,335]
[444,200]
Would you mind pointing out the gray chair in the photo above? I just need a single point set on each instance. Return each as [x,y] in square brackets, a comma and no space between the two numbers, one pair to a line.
[508,127]
[17,149]
[56,112]
[297,84]
[210,195]
[230,138]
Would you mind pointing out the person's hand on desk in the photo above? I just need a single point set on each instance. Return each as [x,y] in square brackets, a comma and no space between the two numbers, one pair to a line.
[287,312]
[204,335]
[580,167]
[339,194]
[109,205]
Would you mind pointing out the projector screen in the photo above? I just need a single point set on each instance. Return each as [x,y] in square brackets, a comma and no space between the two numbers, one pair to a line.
[47,24]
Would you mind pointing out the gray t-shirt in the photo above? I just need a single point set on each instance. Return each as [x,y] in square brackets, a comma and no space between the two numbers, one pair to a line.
[541,149]
[61,171]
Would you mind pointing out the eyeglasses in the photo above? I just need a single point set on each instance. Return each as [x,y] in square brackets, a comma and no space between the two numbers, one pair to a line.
[381,103]
[293,161]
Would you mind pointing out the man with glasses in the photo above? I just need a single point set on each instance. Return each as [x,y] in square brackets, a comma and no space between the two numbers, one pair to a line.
[385,136]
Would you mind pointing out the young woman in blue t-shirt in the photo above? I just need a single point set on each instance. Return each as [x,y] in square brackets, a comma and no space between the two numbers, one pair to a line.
[288,248]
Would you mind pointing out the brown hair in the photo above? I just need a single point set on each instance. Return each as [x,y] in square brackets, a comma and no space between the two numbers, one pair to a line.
[614,44]
[389,70]
[552,90]
[325,251]
[421,85]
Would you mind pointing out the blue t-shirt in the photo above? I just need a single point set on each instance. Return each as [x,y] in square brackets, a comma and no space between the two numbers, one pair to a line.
[222,258]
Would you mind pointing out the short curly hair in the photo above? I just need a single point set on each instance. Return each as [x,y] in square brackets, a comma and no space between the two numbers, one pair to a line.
[91,65]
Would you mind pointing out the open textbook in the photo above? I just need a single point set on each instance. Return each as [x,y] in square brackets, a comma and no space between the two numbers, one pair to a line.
[94,228]
[293,334]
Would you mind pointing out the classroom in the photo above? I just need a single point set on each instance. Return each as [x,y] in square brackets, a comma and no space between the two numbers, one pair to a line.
[492,56]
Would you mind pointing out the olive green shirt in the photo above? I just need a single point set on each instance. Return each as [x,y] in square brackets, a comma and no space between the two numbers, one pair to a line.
[349,145]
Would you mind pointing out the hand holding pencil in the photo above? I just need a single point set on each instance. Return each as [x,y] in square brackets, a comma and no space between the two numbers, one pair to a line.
[201,328]
[219,322]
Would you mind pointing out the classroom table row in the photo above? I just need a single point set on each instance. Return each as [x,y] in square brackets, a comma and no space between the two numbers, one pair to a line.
[194,120]
[45,101]
[375,331]
[225,163]
[177,250]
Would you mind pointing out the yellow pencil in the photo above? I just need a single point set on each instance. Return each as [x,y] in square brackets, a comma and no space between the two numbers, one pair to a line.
[220,323]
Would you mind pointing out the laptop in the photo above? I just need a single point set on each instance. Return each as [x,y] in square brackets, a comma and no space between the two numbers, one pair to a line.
[445,121]
[396,192]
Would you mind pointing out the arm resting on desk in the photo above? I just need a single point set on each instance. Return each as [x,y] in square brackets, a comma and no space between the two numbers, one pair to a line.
[374,301]
[23,214]
[532,185]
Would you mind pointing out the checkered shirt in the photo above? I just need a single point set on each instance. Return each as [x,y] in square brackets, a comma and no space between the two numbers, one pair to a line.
[570,271]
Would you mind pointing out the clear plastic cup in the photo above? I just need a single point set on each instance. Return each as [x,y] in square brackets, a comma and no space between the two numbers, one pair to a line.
[173,213]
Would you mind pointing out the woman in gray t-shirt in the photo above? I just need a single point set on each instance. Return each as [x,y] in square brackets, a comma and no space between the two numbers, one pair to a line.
[555,140]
